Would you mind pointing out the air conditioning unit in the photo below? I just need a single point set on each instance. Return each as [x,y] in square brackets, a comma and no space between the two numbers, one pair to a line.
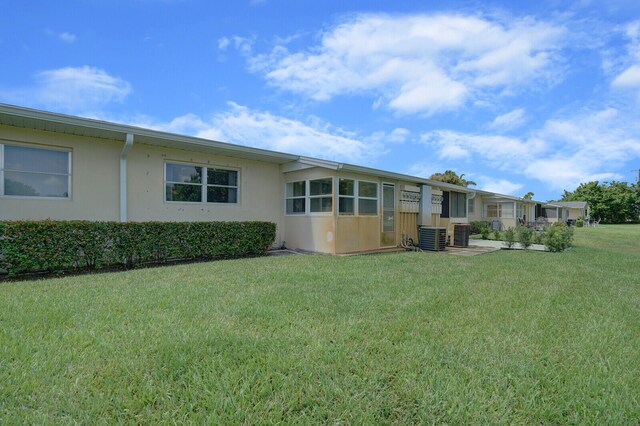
[432,238]
[461,235]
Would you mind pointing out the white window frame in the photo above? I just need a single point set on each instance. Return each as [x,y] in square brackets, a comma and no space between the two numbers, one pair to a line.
[308,197]
[203,184]
[353,197]
[296,197]
[377,198]
[470,205]
[69,174]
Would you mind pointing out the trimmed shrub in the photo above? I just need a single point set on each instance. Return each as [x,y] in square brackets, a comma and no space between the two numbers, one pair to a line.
[60,246]
[579,223]
[525,236]
[476,226]
[497,235]
[538,237]
[509,238]
[484,232]
[558,237]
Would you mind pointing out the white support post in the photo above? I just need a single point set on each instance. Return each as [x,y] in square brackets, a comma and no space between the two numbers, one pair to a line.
[123,176]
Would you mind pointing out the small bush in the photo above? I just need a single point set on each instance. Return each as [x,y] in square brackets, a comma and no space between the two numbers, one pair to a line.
[497,235]
[484,232]
[525,236]
[60,246]
[509,238]
[559,237]
[538,237]
[476,226]
[579,223]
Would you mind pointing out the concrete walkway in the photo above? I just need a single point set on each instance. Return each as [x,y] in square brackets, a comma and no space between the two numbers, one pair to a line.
[500,245]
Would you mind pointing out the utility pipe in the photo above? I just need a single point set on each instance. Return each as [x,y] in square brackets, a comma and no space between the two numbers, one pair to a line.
[123,176]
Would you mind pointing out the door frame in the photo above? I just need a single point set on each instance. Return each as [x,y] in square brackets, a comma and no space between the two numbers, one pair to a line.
[384,233]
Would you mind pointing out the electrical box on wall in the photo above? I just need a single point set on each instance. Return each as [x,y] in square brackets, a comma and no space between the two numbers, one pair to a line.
[410,200]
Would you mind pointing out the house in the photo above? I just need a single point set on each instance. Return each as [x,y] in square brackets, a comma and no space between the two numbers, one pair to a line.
[575,209]
[61,167]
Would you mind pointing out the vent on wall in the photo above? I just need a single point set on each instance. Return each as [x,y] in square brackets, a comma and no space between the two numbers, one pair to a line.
[431,238]
[461,235]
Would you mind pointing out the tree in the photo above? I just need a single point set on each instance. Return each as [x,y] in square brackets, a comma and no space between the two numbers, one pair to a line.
[449,176]
[529,195]
[611,202]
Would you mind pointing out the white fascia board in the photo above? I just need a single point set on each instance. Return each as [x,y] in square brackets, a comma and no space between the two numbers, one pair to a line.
[316,162]
[151,137]
[295,166]
[400,176]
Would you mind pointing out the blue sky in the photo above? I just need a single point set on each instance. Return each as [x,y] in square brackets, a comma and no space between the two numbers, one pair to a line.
[518,96]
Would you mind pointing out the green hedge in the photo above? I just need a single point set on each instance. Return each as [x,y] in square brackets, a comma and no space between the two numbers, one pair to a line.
[60,246]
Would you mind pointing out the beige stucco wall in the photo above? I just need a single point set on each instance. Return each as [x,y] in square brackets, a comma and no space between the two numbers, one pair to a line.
[260,190]
[95,189]
[576,213]
[94,178]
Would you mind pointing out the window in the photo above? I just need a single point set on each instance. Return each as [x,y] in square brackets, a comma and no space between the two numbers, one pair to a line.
[506,210]
[321,195]
[183,182]
[367,198]
[519,210]
[491,210]
[346,197]
[470,205]
[458,204]
[34,172]
[195,184]
[222,186]
[296,197]
[313,196]
[498,210]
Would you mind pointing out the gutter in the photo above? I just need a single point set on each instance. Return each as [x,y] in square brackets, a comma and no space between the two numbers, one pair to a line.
[123,176]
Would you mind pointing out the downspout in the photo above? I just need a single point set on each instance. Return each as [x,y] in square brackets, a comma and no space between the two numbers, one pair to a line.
[473,195]
[123,176]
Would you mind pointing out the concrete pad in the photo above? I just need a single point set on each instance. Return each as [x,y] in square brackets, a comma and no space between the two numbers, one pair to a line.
[501,245]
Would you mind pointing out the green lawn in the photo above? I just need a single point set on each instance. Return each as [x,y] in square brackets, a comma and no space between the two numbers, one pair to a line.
[507,337]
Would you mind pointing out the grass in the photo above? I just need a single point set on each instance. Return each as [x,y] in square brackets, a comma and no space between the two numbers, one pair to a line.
[507,337]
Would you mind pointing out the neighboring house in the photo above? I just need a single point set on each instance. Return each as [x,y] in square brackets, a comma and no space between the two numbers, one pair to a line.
[575,209]
[503,211]
[62,167]
[555,212]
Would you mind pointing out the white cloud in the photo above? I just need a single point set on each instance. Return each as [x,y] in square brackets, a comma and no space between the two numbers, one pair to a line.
[398,135]
[67,37]
[243,126]
[417,63]
[500,150]
[75,89]
[500,186]
[628,78]
[509,121]
[562,154]
[243,45]
[223,43]
[64,36]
